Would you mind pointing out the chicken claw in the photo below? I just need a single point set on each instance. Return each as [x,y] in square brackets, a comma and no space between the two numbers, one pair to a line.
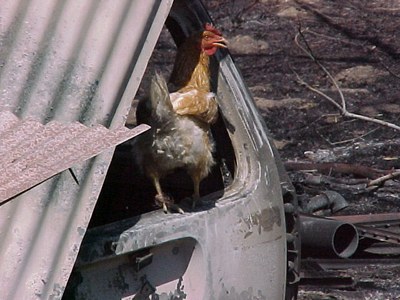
[167,204]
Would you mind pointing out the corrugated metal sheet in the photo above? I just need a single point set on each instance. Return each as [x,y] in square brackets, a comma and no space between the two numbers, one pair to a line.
[65,60]
[31,152]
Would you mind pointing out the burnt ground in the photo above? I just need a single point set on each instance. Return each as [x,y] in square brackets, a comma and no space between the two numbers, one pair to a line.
[358,43]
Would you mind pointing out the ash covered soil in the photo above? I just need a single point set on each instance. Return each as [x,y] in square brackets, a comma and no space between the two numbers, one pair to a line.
[358,43]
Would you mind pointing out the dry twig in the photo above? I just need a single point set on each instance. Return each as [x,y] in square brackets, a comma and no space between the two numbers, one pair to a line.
[352,140]
[380,180]
[341,106]
[343,168]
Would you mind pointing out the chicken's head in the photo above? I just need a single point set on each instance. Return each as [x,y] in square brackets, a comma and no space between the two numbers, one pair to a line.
[211,40]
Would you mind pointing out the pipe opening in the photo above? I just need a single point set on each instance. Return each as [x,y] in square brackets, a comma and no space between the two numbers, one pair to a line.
[345,240]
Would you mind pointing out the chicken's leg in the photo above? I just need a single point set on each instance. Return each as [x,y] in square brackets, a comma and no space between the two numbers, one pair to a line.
[196,189]
[160,198]
[163,200]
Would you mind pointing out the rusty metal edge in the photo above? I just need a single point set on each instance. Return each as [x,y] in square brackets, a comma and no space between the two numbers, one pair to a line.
[58,151]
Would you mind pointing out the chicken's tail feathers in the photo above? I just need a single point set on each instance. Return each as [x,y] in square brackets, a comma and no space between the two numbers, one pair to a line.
[160,98]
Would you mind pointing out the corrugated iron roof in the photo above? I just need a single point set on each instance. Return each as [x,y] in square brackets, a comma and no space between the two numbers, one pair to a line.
[64,61]
[31,152]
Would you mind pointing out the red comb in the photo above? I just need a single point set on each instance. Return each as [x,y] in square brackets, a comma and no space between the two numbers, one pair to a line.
[210,27]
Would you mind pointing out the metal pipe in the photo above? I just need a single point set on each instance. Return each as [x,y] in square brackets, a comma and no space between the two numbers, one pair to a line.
[321,237]
[327,200]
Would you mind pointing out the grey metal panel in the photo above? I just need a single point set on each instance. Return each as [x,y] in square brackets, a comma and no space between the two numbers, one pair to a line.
[65,60]
[31,152]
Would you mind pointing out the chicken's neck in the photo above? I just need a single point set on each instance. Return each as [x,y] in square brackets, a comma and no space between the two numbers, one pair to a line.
[191,70]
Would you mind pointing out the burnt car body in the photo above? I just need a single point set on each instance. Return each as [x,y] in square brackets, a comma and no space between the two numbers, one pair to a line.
[85,64]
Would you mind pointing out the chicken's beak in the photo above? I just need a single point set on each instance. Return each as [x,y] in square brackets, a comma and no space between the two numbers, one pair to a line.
[221,43]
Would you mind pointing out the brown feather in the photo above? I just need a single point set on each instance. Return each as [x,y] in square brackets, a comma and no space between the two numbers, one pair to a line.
[191,78]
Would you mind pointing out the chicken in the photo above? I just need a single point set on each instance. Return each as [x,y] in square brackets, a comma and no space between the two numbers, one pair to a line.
[180,117]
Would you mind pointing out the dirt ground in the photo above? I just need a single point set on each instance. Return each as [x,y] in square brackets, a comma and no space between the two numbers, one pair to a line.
[358,43]
[347,52]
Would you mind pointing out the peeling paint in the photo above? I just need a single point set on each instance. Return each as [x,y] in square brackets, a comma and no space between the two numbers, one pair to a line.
[263,220]
[249,294]
[178,294]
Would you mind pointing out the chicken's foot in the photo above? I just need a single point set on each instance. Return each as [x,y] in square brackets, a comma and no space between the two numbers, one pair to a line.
[164,201]
[167,204]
